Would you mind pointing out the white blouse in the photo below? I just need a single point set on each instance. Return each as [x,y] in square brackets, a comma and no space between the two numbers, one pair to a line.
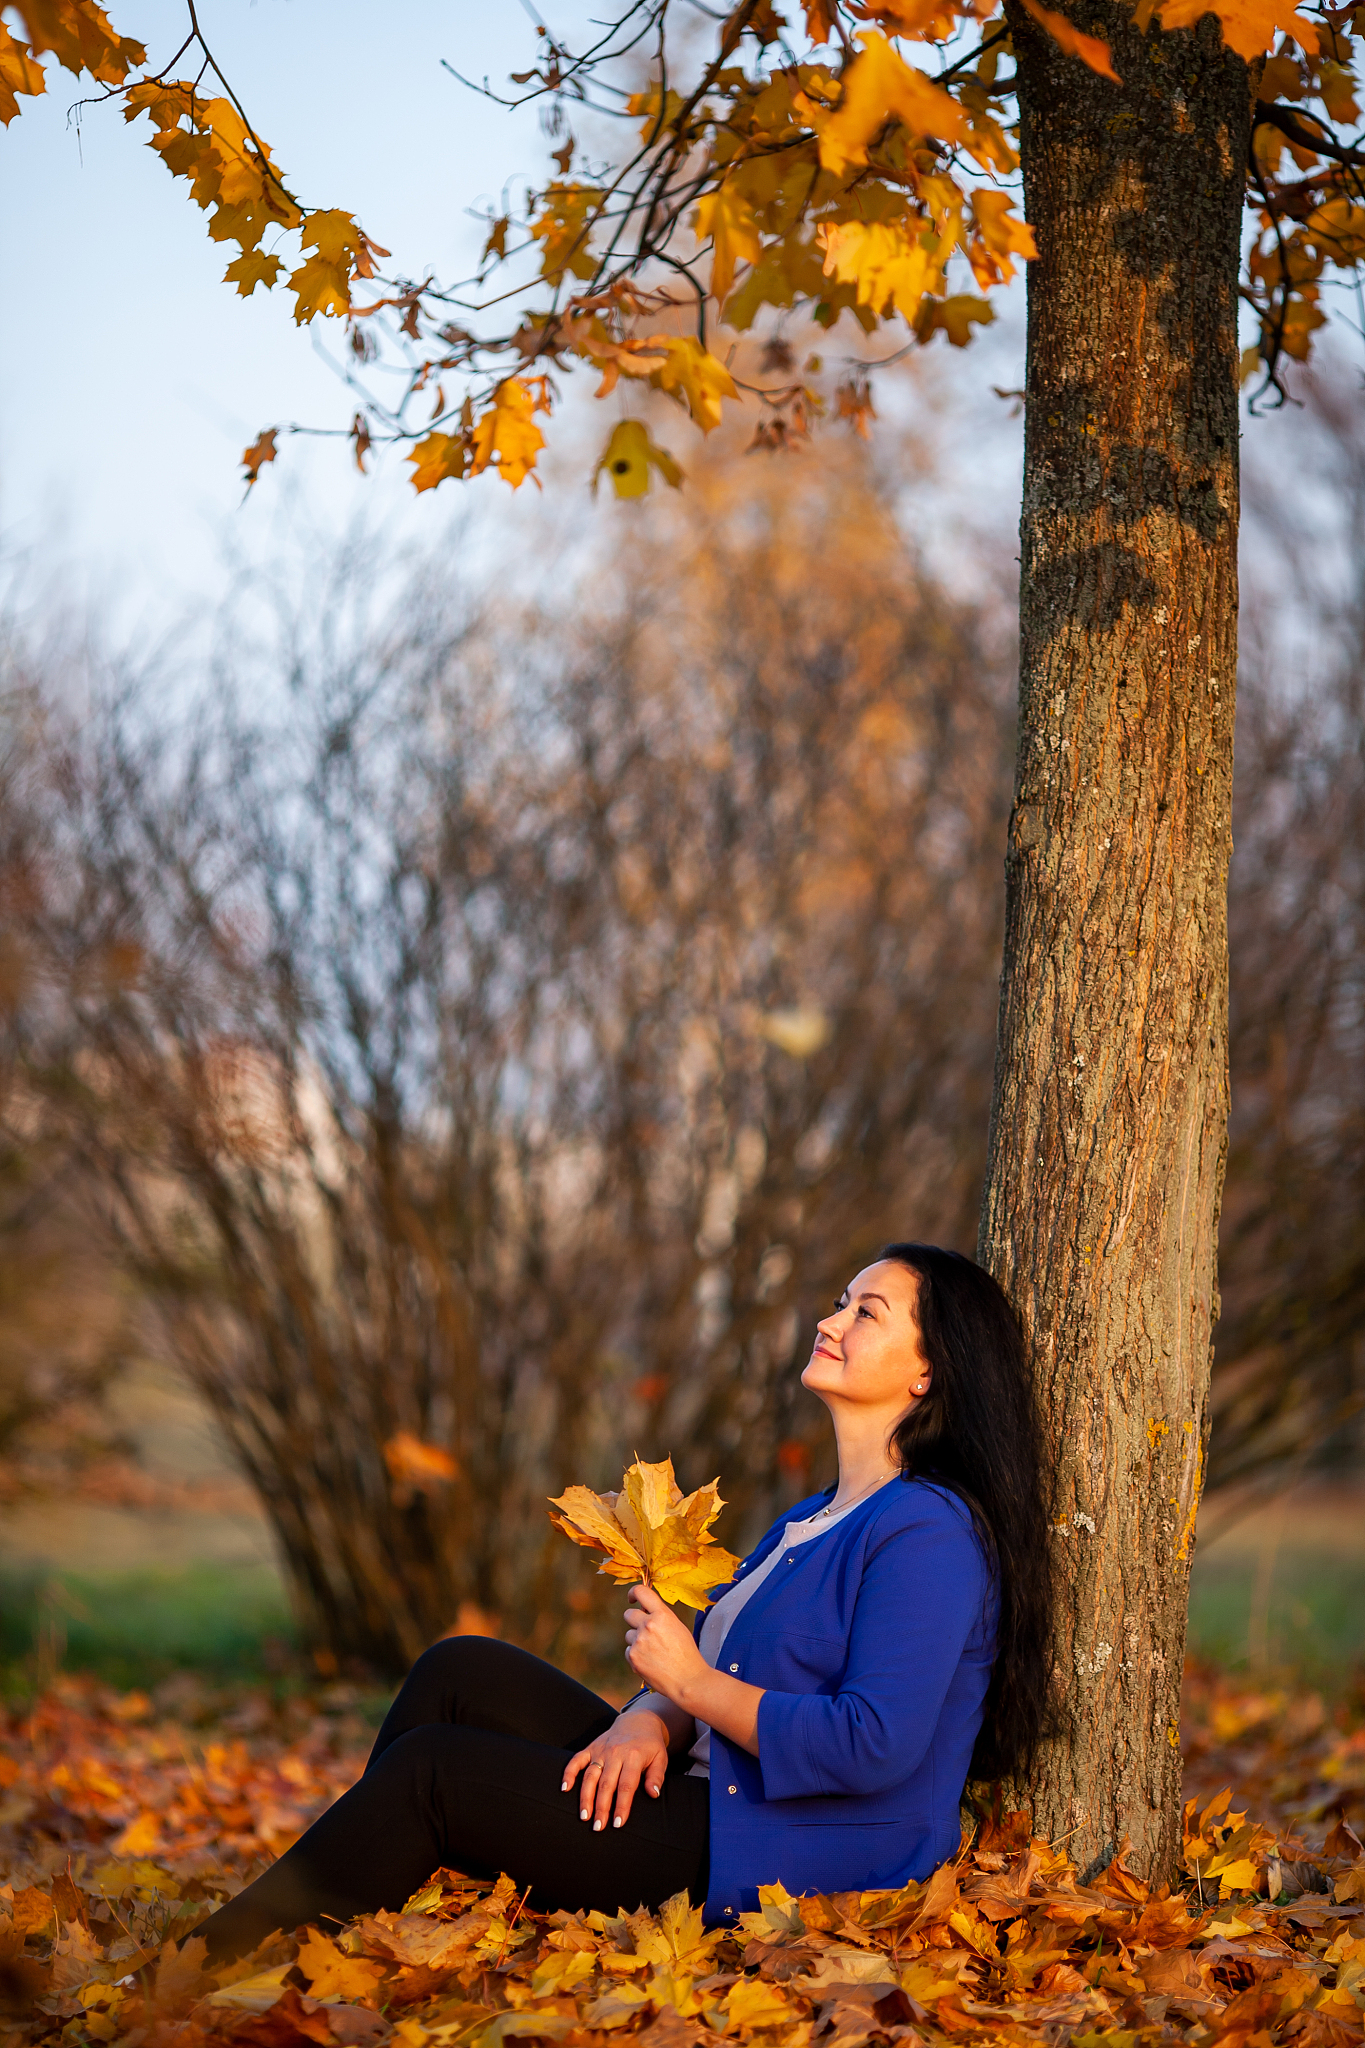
[720,1618]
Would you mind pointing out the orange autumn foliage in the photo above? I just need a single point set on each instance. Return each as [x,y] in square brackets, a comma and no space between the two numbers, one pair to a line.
[1007,1943]
[831,158]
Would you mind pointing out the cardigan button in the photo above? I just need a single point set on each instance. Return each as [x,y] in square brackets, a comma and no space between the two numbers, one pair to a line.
[734,1667]
[734,1788]
[729,1911]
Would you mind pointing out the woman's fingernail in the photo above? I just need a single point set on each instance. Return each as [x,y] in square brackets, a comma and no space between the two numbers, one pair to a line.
[597,1827]
[617,1822]
[582,1813]
[565,1786]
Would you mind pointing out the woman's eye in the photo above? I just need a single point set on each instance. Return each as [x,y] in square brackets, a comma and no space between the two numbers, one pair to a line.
[868,1313]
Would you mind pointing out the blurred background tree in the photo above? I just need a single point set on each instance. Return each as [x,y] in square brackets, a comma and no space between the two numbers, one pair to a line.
[488,1064]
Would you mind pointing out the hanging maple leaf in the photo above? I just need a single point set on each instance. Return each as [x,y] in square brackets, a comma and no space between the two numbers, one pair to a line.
[506,436]
[650,1533]
[436,458]
[1092,50]
[1249,26]
[261,451]
[628,457]
[879,85]
[726,219]
[20,72]
[692,375]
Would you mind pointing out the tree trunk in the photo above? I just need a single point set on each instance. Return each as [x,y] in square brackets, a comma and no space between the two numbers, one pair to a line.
[1110,1107]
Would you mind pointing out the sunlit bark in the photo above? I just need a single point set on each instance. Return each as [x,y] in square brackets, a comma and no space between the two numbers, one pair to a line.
[1110,1107]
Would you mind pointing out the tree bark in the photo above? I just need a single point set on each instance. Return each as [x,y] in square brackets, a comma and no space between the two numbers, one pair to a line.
[1110,1105]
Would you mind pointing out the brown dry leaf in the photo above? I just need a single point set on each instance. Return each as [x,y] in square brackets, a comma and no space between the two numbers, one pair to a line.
[33,1911]
[1002,1948]
[283,2025]
[261,451]
[1342,1840]
[180,1973]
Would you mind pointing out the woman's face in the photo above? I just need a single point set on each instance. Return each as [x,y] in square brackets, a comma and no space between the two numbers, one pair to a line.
[867,1354]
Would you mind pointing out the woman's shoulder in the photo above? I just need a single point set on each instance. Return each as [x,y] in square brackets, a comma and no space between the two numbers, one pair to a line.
[922,1504]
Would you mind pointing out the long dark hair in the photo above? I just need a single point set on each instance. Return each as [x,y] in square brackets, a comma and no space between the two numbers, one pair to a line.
[976,1431]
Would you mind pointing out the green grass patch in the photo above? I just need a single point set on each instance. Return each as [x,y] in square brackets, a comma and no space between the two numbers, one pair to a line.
[137,1628]
[1297,1611]
[1294,1610]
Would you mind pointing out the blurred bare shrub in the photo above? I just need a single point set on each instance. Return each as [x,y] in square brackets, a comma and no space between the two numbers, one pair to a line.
[508,1043]
[1290,1383]
[488,1057]
[66,1311]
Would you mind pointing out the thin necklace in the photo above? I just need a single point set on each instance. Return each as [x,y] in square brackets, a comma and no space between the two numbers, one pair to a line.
[857,1496]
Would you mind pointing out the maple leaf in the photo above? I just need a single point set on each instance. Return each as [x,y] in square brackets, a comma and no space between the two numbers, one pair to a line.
[139,1838]
[999,236]
[888,263]
[251,268]
[819,19]
[496,245]
[360,440]
[880,86]
[1249,26]
[562,228]
[1092,50]
[954,317]
[79,35]
[628,457]
[333,1974]
[333,234]
[261,451]
[506,434]
[33,1911]
[320,286]
[726,219]
[179,1972]
[931,20]
[436,458]
[255,1992]
[19,72]
[650,1533]
[692,375]
[416,1464]
[1337,90]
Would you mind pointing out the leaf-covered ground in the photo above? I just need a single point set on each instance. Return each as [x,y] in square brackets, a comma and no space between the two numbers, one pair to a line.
[124,1818]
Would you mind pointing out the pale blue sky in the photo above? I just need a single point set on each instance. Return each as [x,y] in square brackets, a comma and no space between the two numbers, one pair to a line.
[131,375]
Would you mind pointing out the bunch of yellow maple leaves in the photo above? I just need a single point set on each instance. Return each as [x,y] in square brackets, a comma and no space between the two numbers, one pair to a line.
[651,1533]
[121,1828]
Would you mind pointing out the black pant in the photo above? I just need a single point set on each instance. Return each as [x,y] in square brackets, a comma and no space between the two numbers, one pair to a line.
[465,1773]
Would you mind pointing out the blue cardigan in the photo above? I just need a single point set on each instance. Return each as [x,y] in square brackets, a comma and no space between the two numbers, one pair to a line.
[875,1645]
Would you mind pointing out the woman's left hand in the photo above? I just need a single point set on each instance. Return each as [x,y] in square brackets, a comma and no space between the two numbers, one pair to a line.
[659,1647]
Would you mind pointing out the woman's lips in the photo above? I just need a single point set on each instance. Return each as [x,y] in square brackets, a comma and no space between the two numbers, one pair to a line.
[820,1353]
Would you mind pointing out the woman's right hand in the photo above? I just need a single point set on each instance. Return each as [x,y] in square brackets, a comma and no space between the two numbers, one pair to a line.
[634,1750]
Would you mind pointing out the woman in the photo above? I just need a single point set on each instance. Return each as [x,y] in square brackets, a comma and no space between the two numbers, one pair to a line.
[885,1639]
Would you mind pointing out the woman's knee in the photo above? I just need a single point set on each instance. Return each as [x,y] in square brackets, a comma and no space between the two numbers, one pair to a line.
[421,1750]
[459,1665]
